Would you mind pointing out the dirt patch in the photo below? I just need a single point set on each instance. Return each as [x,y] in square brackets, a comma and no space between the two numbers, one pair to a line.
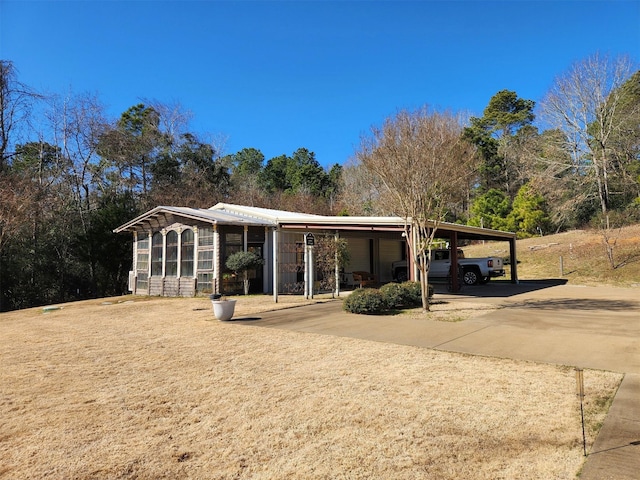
[156,388]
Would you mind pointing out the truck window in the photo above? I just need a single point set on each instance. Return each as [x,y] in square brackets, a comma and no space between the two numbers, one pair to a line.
[441,255]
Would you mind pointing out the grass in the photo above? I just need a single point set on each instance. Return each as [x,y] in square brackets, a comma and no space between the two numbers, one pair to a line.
[154,388]
[151,388]
[584,260]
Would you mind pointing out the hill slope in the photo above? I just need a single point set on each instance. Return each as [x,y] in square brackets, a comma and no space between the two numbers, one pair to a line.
[578,255]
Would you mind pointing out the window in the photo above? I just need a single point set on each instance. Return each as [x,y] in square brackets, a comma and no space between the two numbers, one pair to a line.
[205,259]
[143,241]
[186,254]
[233,243]
[156,254]
[171,263]
[205,236]
[143,281]
[205,282]
[142,262]
[142,257]
[205,279]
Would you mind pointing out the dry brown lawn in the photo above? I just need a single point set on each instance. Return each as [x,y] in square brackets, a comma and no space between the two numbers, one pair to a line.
[156,388]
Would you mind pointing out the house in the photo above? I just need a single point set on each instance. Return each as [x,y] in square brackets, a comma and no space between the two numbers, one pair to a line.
[180,251]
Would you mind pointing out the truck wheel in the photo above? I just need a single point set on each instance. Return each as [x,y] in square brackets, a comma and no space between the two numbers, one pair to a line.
[471,277]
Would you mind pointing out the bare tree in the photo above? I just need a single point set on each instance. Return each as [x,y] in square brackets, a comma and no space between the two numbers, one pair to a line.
[361,190]
[424,165]
[16,101]
[582,104]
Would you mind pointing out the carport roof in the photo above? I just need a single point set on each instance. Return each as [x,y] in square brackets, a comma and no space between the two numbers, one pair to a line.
[229,214]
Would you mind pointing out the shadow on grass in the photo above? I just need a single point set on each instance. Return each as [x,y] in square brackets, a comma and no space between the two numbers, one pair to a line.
[244,319]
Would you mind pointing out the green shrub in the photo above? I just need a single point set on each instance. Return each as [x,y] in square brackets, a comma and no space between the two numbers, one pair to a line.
[395,295]
[368,301]
[413,293]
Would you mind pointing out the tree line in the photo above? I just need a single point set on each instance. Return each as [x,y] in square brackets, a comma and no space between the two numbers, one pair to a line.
[69,174]
[571,161]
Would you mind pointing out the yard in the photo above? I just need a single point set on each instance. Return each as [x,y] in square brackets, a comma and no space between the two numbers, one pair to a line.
[156,388]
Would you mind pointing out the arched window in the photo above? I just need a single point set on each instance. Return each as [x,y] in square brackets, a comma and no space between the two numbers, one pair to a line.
[156,254]
[186,254]
[171,262]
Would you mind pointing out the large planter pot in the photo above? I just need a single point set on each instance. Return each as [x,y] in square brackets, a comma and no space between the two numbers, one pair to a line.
[223,309]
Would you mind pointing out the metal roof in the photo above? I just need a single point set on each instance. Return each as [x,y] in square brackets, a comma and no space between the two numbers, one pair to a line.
[163,216]
[229,214]
[274,216]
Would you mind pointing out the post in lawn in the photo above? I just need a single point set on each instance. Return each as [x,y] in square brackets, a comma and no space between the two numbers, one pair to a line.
[580,393]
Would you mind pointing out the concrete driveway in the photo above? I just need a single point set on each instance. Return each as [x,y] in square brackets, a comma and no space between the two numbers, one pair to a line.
[548,322]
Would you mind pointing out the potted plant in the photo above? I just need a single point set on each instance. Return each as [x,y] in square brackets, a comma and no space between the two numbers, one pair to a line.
[223,308]
[241,263]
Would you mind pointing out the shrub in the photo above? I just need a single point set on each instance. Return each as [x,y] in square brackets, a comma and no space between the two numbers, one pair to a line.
[242,262]
[395,295]
[413,293]
[368,301]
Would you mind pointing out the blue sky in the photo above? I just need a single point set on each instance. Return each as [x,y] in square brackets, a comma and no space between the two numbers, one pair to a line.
[279,75]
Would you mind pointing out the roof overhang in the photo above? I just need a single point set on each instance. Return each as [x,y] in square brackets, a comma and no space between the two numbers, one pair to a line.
[228,214]
[161,217]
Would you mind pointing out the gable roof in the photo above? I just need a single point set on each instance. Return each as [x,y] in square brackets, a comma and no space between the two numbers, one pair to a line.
[163,216]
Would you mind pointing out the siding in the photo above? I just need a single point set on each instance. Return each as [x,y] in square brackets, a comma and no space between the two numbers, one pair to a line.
[172,287]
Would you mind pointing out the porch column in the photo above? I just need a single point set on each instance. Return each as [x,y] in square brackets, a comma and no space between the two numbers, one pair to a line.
[217,275]
[178,266]
[150,235]
[245,236]
[164,255]
[274,248]
[337,270]
[195,252]
[164,258]
[134,264]
[135,251]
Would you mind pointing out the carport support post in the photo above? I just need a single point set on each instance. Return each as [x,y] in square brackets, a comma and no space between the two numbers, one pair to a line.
[513,261]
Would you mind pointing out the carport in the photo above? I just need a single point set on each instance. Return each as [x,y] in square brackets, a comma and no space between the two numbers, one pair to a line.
[346,227]
[454,233]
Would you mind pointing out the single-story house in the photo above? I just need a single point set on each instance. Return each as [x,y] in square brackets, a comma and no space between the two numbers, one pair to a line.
[180,251]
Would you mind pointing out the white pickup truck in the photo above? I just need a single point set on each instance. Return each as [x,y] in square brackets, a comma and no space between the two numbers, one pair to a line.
[474,270]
